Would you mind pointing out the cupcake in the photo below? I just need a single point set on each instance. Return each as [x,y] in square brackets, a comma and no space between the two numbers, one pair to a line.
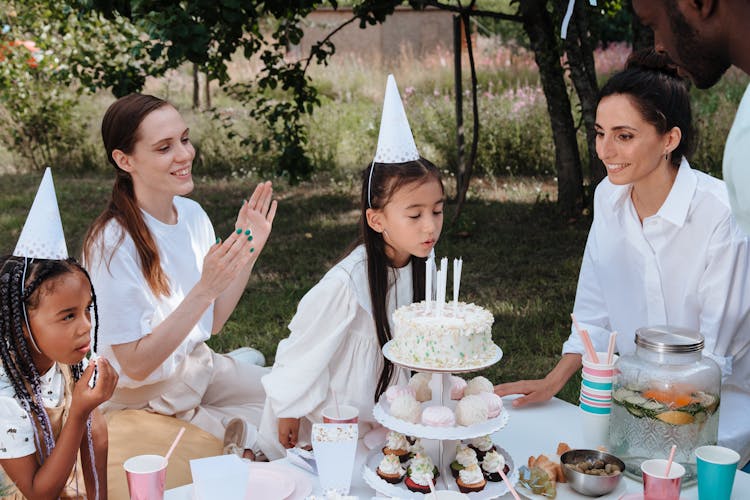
[481,445]
[420,473]
[395,391]
[494,403]
[457,387]
[477,385]
[405,407]
[471,479]
[420,382]
[471,410]
[438,416]
[492,462]
[396,445]
[465,456]
[390,469]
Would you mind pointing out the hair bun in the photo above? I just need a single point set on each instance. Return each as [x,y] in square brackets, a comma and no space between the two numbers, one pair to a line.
[649,59]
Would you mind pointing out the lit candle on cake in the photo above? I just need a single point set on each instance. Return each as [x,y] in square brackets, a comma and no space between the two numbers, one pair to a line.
[457,264]
[441,284]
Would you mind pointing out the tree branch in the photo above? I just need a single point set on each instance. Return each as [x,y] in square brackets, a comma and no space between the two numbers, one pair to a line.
[478,13]
[328,37]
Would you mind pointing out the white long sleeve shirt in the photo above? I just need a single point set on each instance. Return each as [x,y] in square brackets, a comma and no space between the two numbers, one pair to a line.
[332,347]
[688,265]
[736,163]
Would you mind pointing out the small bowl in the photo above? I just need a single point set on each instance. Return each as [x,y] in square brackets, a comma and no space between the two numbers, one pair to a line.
[589,484]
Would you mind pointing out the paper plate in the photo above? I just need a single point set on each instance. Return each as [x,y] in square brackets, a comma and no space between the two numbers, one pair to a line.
[565,492]
[382,414]
[496,356]
[265,483]
[444,482]
[301,482]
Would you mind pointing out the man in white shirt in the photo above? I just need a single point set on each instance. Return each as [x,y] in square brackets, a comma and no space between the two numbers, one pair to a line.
[704,38]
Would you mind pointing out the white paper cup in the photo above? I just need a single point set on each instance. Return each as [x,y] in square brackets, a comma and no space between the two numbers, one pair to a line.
[594,429]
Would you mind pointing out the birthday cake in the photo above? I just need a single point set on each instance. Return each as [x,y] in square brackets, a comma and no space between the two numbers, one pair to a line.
[460,336]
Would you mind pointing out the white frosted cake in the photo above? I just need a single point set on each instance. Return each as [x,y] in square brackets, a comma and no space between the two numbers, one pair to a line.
[460,338]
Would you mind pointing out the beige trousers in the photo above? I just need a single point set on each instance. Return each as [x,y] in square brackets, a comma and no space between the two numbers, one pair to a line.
[207,390]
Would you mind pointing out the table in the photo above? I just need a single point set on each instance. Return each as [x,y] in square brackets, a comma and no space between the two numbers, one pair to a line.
[530,431]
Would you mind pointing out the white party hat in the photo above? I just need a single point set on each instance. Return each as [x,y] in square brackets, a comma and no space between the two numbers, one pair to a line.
[395,142]
[42,235]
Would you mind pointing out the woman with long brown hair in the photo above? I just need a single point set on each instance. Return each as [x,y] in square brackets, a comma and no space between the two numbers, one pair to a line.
[167,283]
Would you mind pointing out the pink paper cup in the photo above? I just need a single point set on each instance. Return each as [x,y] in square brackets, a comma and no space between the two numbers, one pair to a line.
[343,414]
[146,476]
[657,485]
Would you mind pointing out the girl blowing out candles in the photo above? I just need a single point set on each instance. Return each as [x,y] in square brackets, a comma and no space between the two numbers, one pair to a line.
[342,323]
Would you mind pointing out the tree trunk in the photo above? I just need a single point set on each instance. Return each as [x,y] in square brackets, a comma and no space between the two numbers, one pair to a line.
[580,52]
[542,36]
[464,177]
[196,88]
[208,91]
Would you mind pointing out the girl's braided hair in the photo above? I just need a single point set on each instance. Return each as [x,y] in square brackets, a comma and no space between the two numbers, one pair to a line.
[15,354]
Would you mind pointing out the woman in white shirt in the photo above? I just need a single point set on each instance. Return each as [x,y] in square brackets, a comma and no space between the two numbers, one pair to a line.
[165,283]
[663,247]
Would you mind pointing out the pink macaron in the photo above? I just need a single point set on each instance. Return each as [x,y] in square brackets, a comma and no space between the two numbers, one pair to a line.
[438,416]
[395,391]
[494,403]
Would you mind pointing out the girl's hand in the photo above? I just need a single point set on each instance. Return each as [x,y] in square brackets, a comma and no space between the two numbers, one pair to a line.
[224,261]
[288,432]
[257,214]
[86,399]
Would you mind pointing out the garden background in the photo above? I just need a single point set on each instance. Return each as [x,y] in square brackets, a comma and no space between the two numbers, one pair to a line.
[521,257]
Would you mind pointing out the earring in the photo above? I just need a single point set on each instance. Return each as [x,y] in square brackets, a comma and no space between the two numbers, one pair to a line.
[666,156]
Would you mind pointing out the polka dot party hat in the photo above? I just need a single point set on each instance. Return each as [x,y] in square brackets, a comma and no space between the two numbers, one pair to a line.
[395,142]
[42,235]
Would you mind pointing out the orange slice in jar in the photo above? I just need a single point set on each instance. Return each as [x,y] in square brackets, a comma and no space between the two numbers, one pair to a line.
[676,417]
[671,399]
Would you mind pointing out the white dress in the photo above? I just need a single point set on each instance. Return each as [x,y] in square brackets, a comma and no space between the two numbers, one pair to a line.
[194,383]
[16,428]
[688,265]
[332,347]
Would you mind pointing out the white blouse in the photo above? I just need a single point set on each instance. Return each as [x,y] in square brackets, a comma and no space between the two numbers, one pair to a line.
[736,168]
[128,310]
[688,265]
[333,345]
[16,431]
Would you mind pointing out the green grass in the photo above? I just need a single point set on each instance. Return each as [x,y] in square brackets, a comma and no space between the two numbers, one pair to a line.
[520,260]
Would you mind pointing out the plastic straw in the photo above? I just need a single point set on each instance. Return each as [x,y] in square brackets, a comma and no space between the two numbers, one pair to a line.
[670,459]
[432,489]
[611,347]
[336,404]
[174,443]
[587,344]
[508,483]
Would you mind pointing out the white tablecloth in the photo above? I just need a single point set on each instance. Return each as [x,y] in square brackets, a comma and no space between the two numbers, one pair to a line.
[530,431]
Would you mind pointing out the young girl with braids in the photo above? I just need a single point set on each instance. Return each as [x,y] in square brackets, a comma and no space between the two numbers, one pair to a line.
[342,323]
[47,408]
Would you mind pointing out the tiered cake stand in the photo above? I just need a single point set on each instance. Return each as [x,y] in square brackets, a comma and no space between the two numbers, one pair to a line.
[439,442]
